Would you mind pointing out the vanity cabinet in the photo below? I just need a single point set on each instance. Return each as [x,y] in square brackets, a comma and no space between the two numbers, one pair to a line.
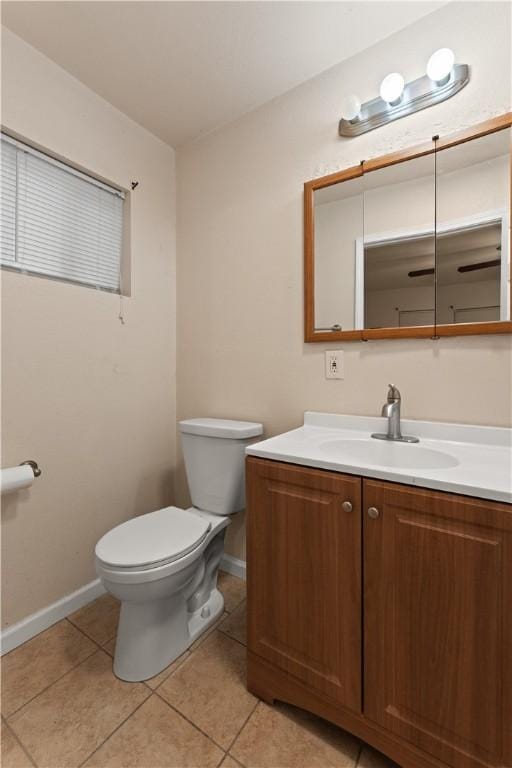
[304,590]
[390,615]
[438,623]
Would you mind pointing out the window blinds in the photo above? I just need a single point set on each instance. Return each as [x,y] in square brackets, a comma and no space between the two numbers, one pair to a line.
[8,189]
[57,221]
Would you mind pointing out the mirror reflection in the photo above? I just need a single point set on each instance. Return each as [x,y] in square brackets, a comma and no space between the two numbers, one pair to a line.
[338,212]
[473,206]
[398,259]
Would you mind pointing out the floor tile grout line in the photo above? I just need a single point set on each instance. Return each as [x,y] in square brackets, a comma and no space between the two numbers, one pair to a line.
[57,679]
[206,637]
[171,673]
[65,619]
[114,731]
[156,691]
[82,632]
[191,722]
[102,648]
[18,741]
[236,760]
[232,638]
[145,682]
[89,637]
[198,642]
[232,610]
[253,710]
[59,621]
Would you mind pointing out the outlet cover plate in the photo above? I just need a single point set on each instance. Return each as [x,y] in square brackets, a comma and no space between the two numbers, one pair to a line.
[334,364]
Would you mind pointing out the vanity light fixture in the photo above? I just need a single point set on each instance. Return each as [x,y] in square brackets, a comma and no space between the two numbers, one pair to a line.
[397,98]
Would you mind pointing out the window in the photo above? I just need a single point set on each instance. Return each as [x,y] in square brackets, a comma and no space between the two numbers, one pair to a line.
[57,221]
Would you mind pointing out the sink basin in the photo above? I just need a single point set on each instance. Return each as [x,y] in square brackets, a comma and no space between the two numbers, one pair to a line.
[387,454]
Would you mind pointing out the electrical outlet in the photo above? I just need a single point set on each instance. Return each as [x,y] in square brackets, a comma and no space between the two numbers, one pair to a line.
[334,364]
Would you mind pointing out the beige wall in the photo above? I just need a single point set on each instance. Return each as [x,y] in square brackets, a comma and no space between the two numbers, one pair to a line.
[240,310]
[93,401]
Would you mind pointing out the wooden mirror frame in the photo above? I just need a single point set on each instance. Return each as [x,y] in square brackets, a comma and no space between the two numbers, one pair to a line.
[414,332]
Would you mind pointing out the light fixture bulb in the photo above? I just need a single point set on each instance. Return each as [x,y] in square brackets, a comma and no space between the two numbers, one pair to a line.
[350,107]
[392,87]
[440,65]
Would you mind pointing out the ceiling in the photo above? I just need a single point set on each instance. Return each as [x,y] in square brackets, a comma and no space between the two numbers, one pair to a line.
[182,69]
[388,266]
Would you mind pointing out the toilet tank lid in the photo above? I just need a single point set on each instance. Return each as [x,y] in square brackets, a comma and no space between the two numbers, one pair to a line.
[235,430]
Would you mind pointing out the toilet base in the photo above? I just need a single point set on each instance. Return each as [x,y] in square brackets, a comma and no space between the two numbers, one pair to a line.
[204,617]
[151,636]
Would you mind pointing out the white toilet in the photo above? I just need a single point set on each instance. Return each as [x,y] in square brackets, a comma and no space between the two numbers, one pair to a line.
[163,565]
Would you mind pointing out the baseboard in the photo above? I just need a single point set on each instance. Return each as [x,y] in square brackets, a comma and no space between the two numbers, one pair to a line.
[26,628]
[234,566]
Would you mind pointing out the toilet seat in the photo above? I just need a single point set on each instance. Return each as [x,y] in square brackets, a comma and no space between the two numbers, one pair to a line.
[152,540]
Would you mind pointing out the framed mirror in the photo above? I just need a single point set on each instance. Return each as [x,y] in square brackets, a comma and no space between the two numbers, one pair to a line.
[415,244]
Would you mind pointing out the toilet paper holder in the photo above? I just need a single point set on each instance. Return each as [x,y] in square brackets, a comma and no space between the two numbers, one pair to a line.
[35,467]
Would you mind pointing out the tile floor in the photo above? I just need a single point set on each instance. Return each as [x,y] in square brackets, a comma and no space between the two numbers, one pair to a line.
[62,707]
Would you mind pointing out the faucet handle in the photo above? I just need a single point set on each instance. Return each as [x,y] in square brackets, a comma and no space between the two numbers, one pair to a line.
[393,393]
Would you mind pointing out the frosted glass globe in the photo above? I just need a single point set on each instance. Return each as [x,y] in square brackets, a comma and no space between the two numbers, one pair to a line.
[440,64]
[392,88]
[350,107]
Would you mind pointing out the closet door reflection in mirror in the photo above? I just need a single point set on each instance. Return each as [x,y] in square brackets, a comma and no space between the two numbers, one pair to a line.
[473,220]
[338,227]
[396,256]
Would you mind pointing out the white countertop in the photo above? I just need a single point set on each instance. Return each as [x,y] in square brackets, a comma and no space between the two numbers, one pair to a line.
[480,457]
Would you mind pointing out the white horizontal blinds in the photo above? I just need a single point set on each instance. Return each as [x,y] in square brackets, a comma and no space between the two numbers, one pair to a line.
[8,203]
[69,226]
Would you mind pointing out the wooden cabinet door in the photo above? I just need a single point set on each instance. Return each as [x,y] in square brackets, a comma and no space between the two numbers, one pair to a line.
[304,575]
[438,622]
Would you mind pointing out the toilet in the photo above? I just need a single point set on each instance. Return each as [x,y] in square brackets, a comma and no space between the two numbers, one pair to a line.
[163,565]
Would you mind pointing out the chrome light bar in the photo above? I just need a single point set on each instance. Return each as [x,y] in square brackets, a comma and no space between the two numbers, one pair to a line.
[418,94]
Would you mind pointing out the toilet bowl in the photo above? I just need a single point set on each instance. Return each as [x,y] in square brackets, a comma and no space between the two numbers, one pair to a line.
[163,565]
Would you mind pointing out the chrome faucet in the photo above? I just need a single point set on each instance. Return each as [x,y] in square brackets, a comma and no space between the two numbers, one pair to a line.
[391,410]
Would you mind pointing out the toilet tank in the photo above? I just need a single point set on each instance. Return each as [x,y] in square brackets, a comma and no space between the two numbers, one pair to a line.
[214,454]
